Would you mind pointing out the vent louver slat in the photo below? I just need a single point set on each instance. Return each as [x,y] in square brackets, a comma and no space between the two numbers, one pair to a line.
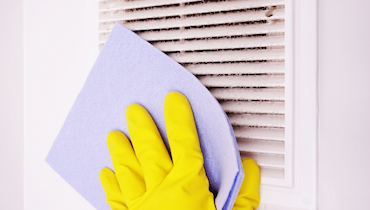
[242,81]
[198,20]
[257,120]
[259,133]
[236,48]
[262,94]
[226,43]
[156,12]
[236,68]
[123,4]
[253,107]
[219,31]
[267,160]
[228,55]
[261,146]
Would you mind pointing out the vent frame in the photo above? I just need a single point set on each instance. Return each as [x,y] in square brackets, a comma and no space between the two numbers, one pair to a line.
[300,190]
[245,49]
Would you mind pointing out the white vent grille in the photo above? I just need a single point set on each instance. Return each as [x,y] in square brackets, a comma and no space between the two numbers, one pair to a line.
[235,48]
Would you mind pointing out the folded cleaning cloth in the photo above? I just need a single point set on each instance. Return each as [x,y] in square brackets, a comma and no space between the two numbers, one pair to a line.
[130,70]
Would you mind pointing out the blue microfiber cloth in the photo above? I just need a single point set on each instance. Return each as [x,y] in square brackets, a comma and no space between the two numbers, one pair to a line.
[130,70]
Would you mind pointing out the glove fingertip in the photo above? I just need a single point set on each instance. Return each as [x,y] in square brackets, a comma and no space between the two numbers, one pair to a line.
[250,163]
[135,112]
[251,170]
[105,174]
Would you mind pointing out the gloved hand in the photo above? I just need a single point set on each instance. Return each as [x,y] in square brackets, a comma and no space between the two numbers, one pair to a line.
[145,178]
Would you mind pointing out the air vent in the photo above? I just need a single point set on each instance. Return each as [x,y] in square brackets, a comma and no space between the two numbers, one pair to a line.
[235,48]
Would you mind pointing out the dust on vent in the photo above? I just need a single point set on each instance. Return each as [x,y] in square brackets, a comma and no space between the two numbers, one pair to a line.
[235,48]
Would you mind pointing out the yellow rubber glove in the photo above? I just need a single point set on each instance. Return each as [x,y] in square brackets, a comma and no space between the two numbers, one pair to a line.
[248,197]
[145,178]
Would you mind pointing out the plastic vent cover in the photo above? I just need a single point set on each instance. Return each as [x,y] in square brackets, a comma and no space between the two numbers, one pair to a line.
[236,49]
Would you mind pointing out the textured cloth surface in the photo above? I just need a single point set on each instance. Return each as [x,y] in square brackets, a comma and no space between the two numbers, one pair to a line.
[130,70]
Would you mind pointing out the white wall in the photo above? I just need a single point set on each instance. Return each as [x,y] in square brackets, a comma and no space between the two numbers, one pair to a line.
[58,56]
[11,105]
[344,104]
